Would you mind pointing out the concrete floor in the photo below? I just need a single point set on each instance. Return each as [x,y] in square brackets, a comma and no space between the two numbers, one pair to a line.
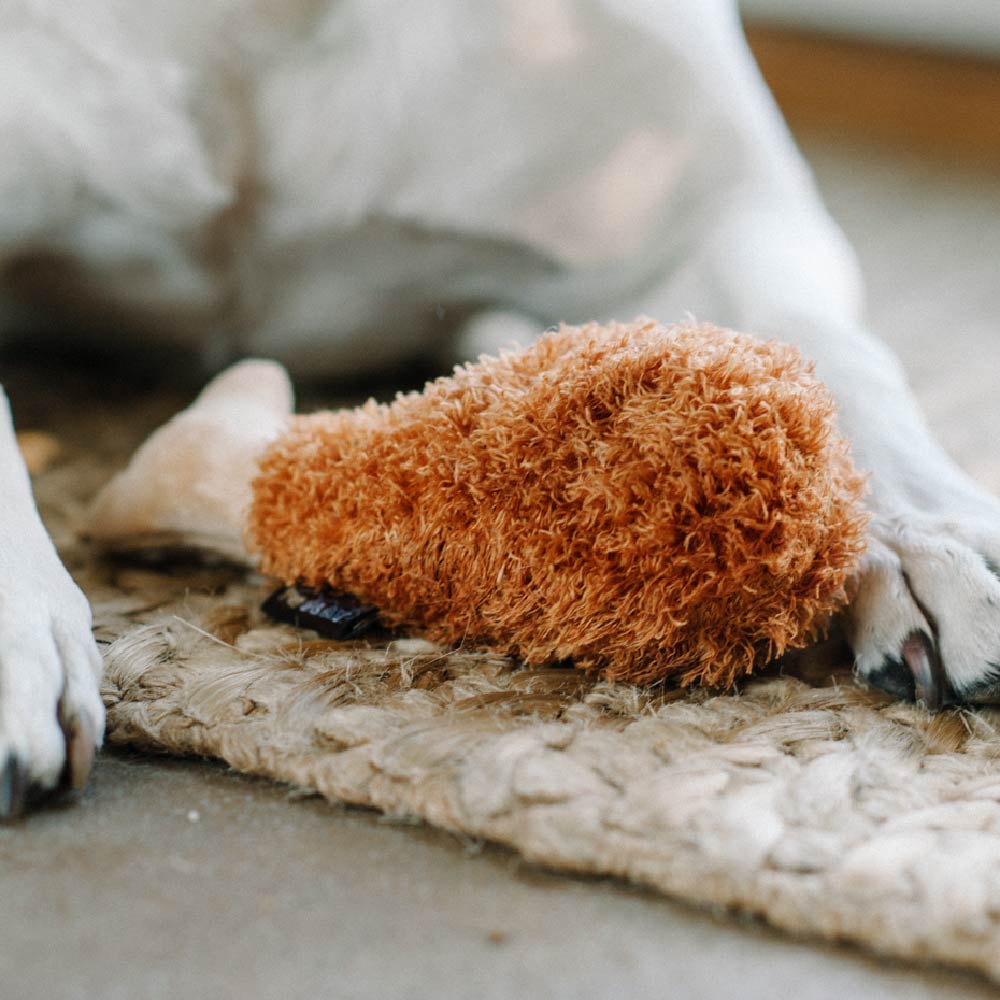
[175,878]
[179,878]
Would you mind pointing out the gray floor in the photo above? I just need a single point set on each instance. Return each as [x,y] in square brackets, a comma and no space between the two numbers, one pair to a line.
[176,878]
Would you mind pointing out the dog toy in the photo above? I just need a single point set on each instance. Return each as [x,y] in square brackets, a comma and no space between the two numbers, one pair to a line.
[646,501]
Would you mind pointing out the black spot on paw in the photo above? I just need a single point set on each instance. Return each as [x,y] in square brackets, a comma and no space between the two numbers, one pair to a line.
[894,678]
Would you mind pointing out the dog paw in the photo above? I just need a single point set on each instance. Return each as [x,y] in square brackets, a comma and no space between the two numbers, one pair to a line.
[924,619]
[51,716]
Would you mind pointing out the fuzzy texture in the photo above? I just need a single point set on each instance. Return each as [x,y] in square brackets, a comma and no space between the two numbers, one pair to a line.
[644,500]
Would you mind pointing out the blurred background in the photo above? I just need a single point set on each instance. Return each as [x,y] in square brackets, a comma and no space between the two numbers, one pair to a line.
[897,107]
[971,26]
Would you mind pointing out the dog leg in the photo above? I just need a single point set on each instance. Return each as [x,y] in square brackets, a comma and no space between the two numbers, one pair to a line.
[51,716]
[925,619]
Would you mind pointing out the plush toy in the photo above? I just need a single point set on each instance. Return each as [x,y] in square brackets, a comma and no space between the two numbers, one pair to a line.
[645,501]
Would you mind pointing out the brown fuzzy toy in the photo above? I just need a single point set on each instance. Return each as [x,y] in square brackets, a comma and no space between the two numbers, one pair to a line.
[647,501]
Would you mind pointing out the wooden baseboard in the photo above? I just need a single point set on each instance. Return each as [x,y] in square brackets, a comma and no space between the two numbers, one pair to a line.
[940,104]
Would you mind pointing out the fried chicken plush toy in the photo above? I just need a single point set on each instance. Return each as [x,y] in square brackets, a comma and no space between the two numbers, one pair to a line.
[646,501]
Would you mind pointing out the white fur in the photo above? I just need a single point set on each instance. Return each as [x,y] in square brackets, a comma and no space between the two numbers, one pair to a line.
[49,662]
[342,185]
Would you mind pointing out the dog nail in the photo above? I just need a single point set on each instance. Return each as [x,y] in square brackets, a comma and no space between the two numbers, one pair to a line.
[13,788]
[79,754]
[930,682]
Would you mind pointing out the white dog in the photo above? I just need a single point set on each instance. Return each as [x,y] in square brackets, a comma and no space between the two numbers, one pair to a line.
[341,184]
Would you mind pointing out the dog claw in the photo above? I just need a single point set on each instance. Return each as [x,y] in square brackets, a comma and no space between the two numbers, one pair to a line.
[931,685]
[80,751]
[13,788]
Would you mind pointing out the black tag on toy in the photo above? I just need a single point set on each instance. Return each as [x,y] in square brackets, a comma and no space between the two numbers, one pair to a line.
[332,613]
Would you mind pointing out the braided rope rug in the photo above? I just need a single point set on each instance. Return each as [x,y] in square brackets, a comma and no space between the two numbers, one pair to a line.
[826,810]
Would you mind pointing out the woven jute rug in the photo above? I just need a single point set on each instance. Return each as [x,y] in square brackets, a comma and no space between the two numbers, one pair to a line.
[827,810]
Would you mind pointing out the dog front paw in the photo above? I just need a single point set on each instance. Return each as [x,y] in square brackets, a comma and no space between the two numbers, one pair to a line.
[924,621]
[51,715]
